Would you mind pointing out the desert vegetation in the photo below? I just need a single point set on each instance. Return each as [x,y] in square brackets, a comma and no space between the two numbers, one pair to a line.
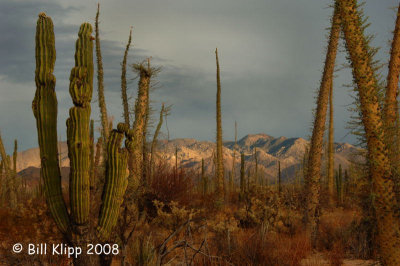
[123,193]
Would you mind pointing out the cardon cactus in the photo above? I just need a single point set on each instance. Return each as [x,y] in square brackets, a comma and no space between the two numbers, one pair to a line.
[116,182]
[44,107]
[78,132]
[79,139]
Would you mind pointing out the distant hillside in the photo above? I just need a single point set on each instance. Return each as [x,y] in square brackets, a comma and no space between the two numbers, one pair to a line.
[270,150]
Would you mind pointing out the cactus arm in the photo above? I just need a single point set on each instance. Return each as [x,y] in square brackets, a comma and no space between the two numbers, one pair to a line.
[78,133]
[116,183]
[44,108]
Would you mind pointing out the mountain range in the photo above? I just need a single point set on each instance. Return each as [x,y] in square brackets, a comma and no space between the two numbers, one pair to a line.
[269,151]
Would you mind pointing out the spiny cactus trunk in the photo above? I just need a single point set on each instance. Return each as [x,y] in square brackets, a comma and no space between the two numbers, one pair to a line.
[234,157]
[123,81]
[145,164]
[388,233]
[154,143]
[99,145]
[7,192]
[116,183]
[92,171]
[15,154]
[339,185]
[14,181]
[141,108]
[242,177]
[220,165]
[391,112]
[75,226]
[100,83]
[331,152]
[44,107]
[78,132]
[91,156]
[315,154]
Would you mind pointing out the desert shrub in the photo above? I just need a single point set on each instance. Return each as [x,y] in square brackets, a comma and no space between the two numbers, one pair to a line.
[257,247]
[171,216]
[141,251]
[345,231]
[30,222]
[334,228]
[361,238]
[261,207]
[223,227]
[170,185]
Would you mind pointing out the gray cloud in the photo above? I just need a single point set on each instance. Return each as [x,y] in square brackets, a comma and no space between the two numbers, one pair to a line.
[271,55]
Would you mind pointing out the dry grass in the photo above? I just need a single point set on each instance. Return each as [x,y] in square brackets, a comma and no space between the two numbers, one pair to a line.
[265,229]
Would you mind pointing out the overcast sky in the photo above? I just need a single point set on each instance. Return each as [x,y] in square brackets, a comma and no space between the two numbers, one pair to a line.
[271,56]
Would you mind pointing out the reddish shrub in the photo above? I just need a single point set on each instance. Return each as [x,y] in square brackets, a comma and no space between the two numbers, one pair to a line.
[170,185]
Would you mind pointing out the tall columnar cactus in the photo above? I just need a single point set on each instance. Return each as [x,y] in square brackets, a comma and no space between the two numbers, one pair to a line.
[100,83]
[97,156]
[141,109]
[78,132]
[44,107]
[115,183]
[391,112]
[123,81]
[385,203]
[79,137]
[331,152]
[155,139]
[315,154]
[339,185]
[242,178]
[220,164]
[8,189]
[15,154]
[234,156]
[91,156]
[145,160]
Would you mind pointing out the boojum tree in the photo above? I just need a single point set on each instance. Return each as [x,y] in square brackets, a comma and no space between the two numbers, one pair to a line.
[385,203]
[315,152]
